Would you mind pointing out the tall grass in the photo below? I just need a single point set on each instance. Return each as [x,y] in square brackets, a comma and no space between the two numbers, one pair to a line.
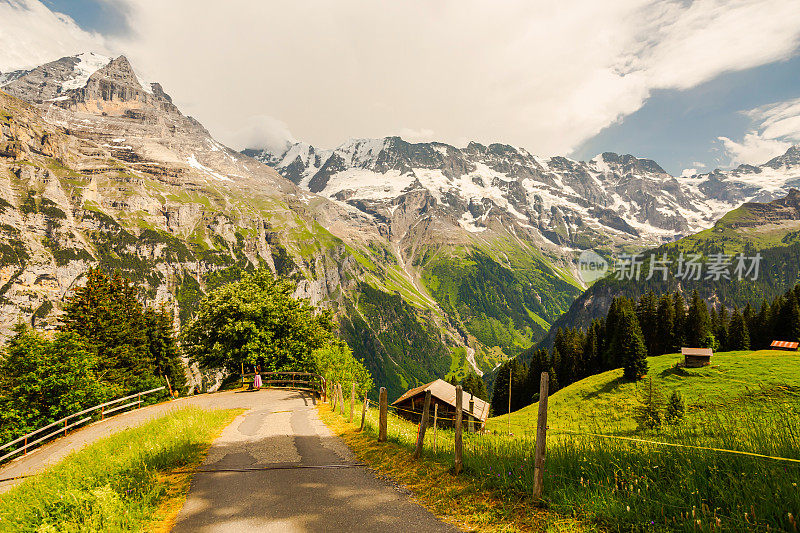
[635,486]
[116,484]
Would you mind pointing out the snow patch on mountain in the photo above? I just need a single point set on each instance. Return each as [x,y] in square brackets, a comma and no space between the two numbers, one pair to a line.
[88,63]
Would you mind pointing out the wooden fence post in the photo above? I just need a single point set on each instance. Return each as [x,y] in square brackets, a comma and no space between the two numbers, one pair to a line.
[341,400]
[334,397]
[435,429]
[458,443]
[541,438]
[471,411]
[364,408]
[352,402]
[423,424]
[383,415]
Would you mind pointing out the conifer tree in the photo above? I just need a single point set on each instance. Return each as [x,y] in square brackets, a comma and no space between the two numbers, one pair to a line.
[699,333]
[738,334]
[107,313]
[665,325]
[473,384]
[679,335]
[629,344]
[674,411]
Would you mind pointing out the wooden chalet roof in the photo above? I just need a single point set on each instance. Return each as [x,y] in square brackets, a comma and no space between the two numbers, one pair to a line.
[785,344]
[445,392]
[697,352]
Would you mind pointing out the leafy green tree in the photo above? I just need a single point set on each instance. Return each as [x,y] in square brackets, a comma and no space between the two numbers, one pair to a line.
[257,321]
[43,380]
[134,346]
[628,343]
[674,411]
[337,364]
[473,384]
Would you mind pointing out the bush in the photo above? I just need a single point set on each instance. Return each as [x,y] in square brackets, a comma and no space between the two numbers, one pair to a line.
[648,413]
[675,409]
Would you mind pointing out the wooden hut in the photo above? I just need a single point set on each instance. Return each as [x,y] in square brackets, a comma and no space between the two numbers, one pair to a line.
[696,357]
[785,345]
[443,394]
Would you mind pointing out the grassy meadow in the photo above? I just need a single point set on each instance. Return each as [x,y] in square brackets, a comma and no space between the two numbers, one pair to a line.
[744,401]
[126,482]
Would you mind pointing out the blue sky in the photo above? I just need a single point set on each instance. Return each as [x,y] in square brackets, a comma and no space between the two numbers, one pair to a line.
[679,129]
[691,84]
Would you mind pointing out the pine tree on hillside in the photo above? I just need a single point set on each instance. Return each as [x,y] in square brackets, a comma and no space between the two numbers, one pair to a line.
[791,318]
[760,334]
[107,313]
[163,346]
[723,323]
[519,398]
[679,334]
[473,384]
[665,326]
[699,333]
[738,334]
[592,349]
[619,307]
[646,313]
[628,343]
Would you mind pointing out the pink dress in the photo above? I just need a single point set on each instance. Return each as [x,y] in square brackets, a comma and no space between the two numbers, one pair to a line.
[257,381]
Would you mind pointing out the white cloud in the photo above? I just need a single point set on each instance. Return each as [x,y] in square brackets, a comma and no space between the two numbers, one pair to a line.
[688,172]
[776,127]
[532,73]
[31,34]
[261,132]
[416,135]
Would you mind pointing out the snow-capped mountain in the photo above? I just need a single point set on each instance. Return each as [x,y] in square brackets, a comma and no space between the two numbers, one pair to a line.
[576,203]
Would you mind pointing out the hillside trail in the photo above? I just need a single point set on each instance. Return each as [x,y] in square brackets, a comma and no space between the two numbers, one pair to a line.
[276,467]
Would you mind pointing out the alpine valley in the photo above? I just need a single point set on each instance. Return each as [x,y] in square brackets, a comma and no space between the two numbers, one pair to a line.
[434,259]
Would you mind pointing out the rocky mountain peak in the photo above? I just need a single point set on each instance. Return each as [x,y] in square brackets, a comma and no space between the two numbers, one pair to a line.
[788,160]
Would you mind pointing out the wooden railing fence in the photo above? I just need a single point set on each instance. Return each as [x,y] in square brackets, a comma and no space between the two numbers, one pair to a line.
[31,440]
[288,380]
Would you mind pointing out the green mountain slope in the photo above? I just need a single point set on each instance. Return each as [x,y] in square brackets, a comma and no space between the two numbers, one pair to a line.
[605,402]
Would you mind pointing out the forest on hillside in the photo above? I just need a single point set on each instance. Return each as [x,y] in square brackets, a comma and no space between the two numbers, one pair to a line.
[636,329]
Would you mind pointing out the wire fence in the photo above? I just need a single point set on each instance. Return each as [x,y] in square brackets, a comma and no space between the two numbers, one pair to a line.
[685,486]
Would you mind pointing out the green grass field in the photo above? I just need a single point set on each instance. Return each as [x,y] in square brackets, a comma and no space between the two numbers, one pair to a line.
[122,483]
[744,401]
[605,401]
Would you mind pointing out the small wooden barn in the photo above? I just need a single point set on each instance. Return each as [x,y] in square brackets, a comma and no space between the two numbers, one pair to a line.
[785,345]
[443,394]
[696,357]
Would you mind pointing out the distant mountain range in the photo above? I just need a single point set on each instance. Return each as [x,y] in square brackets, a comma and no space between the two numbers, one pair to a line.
[610,200]
[435,259]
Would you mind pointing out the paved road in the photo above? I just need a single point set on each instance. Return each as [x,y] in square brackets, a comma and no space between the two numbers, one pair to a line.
[253,482]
